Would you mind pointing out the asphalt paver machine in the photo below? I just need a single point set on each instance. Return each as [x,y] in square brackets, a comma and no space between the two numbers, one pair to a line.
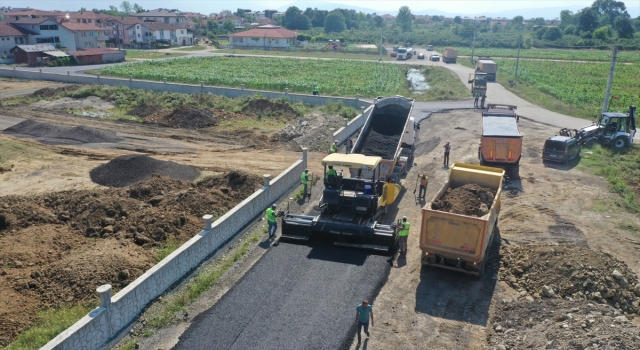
[351,206]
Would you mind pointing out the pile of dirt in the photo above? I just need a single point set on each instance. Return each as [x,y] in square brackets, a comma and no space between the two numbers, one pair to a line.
[183,117]
[144,110]
[314,131]
[50,92]
[89,102]
[384,134]
[53,134]
[560,324]
[469,199]
[267,107]
[130,169]
[571,272]
[47,259]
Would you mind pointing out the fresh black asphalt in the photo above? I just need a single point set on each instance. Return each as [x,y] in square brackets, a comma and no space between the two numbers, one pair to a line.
[295,297]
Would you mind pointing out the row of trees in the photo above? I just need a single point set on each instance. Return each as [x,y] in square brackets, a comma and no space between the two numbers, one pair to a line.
[125,9]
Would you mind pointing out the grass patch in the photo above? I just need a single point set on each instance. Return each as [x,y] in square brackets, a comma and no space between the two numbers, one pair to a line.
[444,84]
[168,247]
[50,323]
[299,194]
[599,206]
[620,169]
[340,109]
[201,283]
[629,226]
[191,48]
[316,54]
[12,150]
[150,54]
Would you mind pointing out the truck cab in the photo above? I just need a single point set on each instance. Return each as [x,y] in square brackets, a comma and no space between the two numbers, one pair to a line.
[617,129]
[429,47]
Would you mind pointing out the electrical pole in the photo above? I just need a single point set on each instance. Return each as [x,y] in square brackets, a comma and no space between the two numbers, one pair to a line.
[380,60]
[518,59]
[233,38]
[473,45]
[605,103]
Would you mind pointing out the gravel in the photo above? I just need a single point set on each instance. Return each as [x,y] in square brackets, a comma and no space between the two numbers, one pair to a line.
[295,297]
[127,170]
[53,134]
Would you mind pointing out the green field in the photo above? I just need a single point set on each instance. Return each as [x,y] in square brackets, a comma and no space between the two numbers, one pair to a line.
[334,77]
[150,54]
[580,86]
[587,55]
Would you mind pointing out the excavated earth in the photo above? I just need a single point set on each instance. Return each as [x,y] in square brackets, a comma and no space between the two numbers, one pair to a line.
[129,169]
[469,199]
[181,117]
[568,297]
[53,134]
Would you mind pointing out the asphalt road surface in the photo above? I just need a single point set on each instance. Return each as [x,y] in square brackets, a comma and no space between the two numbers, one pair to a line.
[295,297]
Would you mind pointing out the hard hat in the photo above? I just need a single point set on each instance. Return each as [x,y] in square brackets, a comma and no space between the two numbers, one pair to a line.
[306,169]
[273,205]
[336,141]
[404,218]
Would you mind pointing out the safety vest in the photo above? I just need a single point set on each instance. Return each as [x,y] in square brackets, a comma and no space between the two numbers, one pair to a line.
[423,181]
[332,172]
[303,178]
[315,89]
[333,148]
[404,231]
[271,215]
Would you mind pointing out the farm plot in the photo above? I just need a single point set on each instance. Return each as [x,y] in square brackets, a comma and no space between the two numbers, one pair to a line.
[579,85]
[333,77]
[578,55]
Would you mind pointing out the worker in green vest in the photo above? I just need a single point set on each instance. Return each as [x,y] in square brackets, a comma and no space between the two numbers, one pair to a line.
[270,214]
[334,147]
[403,234]
[304,180]
[332,171]
[315,90]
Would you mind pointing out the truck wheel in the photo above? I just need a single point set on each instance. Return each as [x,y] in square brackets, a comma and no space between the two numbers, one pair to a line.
[619,142]
[515,173]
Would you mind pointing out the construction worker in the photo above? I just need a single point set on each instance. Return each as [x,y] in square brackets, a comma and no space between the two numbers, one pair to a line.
[334,147]
[403,234]
[424,181]
[331,171]
[270,213]
[304,180]
[348,145]
[316,92]
[482,101]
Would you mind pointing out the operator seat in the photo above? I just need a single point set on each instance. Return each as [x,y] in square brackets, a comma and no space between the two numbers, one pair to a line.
[332,182]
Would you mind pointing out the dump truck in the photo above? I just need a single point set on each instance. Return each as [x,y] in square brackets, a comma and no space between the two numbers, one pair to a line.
[351,206]
[501,141]
[388,131]
[489,67]
[450,55]
[461,242]
[478,83]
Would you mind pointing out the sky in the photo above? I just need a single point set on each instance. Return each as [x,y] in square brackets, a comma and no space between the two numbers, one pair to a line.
[382,6]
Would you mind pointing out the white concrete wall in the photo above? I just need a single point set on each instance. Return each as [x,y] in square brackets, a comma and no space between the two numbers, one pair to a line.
[12,72]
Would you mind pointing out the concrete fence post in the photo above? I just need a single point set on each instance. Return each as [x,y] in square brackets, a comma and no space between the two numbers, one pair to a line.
[14,68]
[304,156]
[68,72]
[105,302]
[267,180]
[208,220]
[286,91]
[346,122]
[40,73]
[98,75]
[242,87]
[164,80]
[202,87]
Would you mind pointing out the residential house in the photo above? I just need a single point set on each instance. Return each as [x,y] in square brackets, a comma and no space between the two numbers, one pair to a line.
[31,13]
[237,21]
[268,36]
[47,31]
[482,20]
[88,17]
[269,13]
[163,15]
[503,21]
[149,32]
[116,29]
[11,36]
[388,17]
[86,35]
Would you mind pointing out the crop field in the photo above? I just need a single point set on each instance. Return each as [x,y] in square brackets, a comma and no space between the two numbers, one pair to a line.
[333,77]
[584,55]
[579,85]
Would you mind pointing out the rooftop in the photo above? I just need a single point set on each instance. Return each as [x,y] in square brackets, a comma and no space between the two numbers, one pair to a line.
[37,48]
[8,30]
[80,26]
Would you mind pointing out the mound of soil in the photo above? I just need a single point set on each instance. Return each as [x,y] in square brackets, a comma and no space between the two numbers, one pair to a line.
[144,110]
[65,103]
[314,131]
[183,117]
[263,106]
[571,272]
[50,92]
[46,258]
[129,169]
[53,134]
[469,199]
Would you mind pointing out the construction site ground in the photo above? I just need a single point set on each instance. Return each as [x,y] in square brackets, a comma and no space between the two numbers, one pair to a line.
[416,308]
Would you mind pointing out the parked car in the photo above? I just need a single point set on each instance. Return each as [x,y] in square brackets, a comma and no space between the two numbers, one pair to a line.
[393,54]
[434,57]
[421,56]
[561,149]
[429,47]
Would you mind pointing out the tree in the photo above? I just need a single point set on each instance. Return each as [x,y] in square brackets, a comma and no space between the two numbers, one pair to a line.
[517,20]
[334,22]
[319,18]
[457,20]
[228,26]
[138,8]
[126,7]
[404,18]
[294,19]
[587,20]
[602,33]
[609,8]
[83,9]
[240,13]
[566,18]
[622,26]
[552,34]
[378,21]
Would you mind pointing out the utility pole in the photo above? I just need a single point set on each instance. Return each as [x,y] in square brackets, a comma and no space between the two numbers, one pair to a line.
[473,45]
[518,59]
[380,60]
[233,38]
[605,103]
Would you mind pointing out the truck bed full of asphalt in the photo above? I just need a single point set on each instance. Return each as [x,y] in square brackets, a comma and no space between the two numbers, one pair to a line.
[383,135]
[295,297]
